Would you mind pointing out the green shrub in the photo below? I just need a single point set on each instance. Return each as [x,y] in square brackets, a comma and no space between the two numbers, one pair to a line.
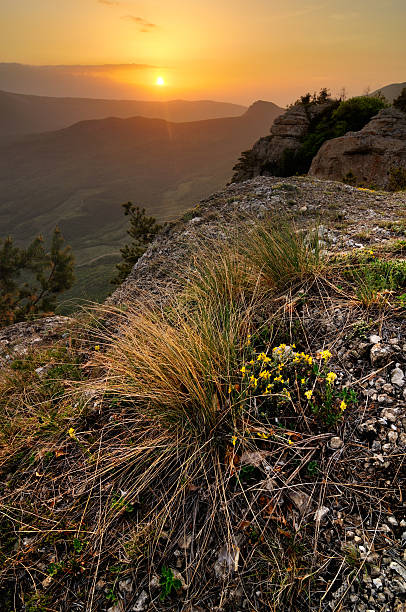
[375,278]
[400,101]
[397,179]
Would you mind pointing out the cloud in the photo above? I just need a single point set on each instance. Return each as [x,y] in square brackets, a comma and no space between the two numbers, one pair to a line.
[109,2]
[94,81]
[142,24]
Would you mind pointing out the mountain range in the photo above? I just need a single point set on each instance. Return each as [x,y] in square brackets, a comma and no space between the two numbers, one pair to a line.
[23,114]
[79,176]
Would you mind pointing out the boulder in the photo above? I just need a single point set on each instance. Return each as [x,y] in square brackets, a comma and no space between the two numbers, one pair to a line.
[369,156]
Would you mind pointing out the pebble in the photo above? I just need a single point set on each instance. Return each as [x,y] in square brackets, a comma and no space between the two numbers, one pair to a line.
[336,443]
[140,604]
[380,354]
[398,377]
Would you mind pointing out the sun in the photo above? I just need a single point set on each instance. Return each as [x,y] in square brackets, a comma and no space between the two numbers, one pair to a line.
[160,81]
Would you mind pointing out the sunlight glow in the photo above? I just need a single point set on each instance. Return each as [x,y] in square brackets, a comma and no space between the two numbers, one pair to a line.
[160,81]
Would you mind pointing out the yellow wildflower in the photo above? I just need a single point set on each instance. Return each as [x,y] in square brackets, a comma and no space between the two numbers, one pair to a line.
[251,362]
[331,377]
[290,442]
[309,394]
[303,381]
[97,347]
[324,355]
[71,432]
[343,406]
[243,370]
[254,381]
[230,388]
[233,440]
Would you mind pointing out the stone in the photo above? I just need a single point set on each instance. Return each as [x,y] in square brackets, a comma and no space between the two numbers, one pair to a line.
[227,560]
[140,604]
[119,607]
[399,569]
[380,354]
[377,582]
[321,513]
[368,155]
[336,443]
[398,377]
[287,132]
[374,339]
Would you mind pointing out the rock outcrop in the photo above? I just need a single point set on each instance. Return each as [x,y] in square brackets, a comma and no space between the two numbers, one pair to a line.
[287,134]
[356,212]
[370,157]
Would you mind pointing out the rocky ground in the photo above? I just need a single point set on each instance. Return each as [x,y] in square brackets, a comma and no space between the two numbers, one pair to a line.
[348,217]
[346,505]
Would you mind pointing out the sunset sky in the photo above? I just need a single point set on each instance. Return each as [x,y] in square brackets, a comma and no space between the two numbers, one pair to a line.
[234,50]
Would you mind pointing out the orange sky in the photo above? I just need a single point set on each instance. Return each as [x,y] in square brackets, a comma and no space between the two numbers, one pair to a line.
[235,50]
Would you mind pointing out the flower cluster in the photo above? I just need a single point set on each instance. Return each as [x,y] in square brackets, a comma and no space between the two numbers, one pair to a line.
[283,377]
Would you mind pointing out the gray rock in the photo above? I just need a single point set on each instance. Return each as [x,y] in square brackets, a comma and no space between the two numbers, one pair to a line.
[368,154]
[377,582]
[336,443]
[380,354]
[398,377]
[399,569]
[140,604]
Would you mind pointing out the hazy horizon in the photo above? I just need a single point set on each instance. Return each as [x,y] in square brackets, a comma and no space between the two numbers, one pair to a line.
[234,52]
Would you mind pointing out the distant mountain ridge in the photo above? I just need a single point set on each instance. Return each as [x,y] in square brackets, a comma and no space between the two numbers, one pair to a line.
[391,92]
[79,176]
[22,114]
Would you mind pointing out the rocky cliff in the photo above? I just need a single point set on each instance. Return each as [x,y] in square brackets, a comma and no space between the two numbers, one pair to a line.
[370,157]
[287,133]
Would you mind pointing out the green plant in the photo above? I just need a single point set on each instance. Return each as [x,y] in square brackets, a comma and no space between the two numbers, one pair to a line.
[287,380]
[168,583]
[400,101]
[397,179]
[312,468]
[402,300]
[375,278]
[282,255]
[78,545]
[111,596]
[55,568]
[142,230]
[350,179]
[121,504]
[352,556]
[32,278]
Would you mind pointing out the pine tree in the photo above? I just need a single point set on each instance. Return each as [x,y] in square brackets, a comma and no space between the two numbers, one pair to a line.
[31,278]
[142,231]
